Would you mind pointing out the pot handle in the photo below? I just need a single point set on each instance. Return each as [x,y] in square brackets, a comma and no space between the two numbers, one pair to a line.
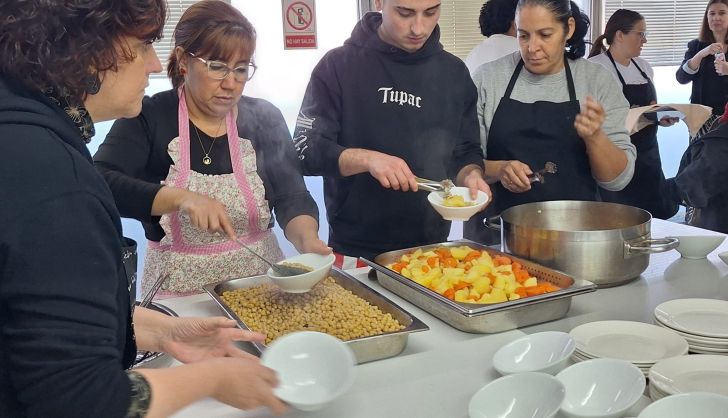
[493,223]
[650,246]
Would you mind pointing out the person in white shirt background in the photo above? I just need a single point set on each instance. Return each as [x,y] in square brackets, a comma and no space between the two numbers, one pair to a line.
[496,24]
[625,34]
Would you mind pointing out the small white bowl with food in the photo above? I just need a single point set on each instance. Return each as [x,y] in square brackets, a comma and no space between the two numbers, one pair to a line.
[319,266]
[313,368]
[458,206]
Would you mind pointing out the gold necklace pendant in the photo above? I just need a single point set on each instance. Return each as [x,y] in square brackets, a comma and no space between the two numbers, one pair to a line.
[206,159]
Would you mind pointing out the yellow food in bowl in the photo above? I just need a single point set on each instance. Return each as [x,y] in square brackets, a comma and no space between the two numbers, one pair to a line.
[456,201]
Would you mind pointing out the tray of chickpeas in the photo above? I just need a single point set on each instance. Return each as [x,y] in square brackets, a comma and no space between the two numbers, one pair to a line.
[476,288]
[373,326]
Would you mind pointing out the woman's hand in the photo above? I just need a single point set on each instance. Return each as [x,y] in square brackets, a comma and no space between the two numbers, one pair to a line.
[191,340]
[513,176]
[711,49]
[302,232]
[721,67]
[246,384]
[315,245]
[588,122]
[206,214]
[668,121]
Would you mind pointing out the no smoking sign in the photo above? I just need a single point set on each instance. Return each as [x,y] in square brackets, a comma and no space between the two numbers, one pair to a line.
[299,24]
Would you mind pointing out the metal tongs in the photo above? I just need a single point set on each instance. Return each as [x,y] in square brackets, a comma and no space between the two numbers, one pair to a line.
[444,186]
[549,168]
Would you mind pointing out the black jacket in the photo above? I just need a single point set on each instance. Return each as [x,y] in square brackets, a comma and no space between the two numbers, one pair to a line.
[418,106]
[133,159]
[701,179]
[709,88]
[65,334]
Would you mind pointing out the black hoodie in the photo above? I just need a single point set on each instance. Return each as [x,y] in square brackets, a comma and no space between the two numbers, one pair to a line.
[65,335]
[418,106]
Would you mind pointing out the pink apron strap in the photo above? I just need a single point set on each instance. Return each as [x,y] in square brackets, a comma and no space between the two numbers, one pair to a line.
[255,232]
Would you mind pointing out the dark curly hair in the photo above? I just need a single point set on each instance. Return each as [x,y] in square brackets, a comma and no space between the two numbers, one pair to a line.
[60,44]
[210,29]
[496,16]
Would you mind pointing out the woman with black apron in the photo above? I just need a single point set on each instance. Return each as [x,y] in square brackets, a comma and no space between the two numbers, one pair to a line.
[625,33]
[543,105]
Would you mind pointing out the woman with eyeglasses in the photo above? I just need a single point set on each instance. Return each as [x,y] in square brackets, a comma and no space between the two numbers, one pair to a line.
[704,64]
[546,104]
[202,166]
[625,33]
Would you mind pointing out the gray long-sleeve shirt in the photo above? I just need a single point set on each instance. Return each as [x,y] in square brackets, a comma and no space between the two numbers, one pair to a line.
[590,79]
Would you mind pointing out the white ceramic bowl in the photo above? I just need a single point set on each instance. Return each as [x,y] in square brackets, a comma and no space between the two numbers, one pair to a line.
[603,388]
[688,405]
[698,246]
[313,368]
[533,395]
[723,256]
[458,214]
[302,283]
[544,352]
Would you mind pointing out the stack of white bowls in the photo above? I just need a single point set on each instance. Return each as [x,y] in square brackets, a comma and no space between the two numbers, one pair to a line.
[702,322]
[693,373]
[636,342]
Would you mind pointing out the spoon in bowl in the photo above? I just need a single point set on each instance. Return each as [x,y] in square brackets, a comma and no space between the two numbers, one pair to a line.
[279,269]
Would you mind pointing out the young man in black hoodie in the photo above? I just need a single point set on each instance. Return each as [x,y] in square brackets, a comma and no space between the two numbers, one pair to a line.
[387,106]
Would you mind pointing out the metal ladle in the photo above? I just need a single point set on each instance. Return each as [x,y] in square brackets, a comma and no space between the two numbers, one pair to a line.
[279,269]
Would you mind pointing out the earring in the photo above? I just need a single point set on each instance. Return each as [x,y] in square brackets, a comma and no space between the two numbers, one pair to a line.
[182,71]
[93,84]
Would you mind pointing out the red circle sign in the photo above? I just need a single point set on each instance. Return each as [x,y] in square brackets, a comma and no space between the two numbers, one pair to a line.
[299,16]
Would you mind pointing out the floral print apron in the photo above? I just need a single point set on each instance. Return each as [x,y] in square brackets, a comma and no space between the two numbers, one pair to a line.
[192,257]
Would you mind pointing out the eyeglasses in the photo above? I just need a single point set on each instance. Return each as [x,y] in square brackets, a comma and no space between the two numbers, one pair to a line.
[642,35]
[219,70]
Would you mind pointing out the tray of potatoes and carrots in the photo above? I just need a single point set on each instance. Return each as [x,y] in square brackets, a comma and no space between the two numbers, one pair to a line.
[460,281]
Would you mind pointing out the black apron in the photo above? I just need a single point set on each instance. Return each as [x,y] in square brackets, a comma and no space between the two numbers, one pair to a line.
[535,133]
[644,189]
[129,263]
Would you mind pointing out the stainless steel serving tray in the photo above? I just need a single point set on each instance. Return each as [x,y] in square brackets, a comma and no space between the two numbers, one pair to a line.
[375,347]
[483,318]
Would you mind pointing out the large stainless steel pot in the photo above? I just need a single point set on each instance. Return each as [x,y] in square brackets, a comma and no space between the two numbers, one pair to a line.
[606,243]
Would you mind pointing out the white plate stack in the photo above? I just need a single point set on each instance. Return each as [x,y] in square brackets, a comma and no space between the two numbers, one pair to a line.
[702,322]
[641,344]
[693,373]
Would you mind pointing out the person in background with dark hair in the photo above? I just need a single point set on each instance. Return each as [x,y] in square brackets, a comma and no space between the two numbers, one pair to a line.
[202,165]
[700,180]
[704,64]
[496,23]
[66,301]
[625,33]
[547,104]
[388,105]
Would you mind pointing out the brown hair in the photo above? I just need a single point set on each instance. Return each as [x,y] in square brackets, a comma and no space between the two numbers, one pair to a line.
[622,20]
[210,29]
[706,35]
[562,10]
[54,43]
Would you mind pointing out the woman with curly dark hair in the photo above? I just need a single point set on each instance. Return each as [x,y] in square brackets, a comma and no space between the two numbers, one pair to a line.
[68,330]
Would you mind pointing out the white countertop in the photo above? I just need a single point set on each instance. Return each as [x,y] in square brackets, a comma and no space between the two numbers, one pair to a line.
[440,369]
